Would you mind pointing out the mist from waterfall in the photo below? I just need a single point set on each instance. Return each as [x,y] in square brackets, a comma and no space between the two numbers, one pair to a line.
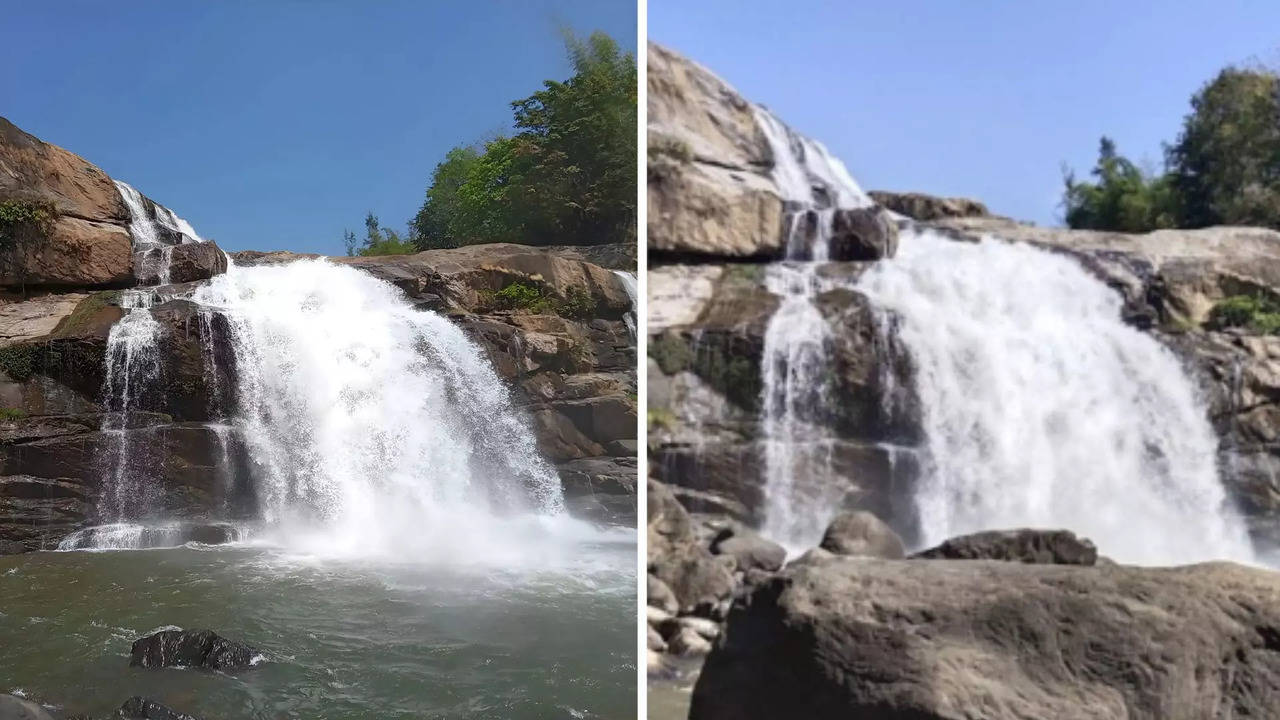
[1042,408]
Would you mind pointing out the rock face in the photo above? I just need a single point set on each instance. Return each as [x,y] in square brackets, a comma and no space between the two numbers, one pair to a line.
[939,640]
[87,243]
[192,648]
[188,262]
[1053,547]
[919,206]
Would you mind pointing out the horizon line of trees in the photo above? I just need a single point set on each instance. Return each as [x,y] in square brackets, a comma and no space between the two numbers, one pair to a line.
[567,176]
[1223,169]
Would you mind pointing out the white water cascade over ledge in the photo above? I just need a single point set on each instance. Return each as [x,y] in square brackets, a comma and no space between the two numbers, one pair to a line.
[373,428]
[1040,406]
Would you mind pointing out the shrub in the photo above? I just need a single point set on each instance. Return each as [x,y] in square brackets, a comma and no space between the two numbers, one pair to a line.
[12,414]
[1255,312]
[537,299]
[22,220]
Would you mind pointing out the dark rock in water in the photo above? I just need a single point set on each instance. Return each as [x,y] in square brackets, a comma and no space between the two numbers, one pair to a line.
[942,640]
[863,234]
[188,262]
[16,708]
[191,648]
[749,549]
[12,547]
[863,534]
[1050,547]
[140,708]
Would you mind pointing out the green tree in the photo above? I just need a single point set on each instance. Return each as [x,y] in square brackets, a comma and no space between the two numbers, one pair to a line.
[1225,165]
[1123,197]
[377,240]
[435,224]
[568,175]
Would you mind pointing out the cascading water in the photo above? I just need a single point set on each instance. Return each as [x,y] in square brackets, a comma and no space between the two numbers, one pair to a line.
[376,428]
[1041,408]
[133,362]
[798,471]
[629,284]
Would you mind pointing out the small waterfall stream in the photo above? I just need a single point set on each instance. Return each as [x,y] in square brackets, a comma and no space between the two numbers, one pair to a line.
[799,484]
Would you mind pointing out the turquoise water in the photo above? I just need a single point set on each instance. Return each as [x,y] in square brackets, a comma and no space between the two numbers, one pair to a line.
[343,639]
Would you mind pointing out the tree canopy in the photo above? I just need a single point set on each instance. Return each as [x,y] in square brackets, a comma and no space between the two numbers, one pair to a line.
[1224,168]
[567,176]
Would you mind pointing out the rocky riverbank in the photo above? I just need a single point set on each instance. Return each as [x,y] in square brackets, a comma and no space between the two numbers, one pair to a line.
[67,255]
[957,631]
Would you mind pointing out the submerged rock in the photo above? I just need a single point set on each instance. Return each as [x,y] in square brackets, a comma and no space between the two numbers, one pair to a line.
[941,640]
[140,708]
[13,707]
[1052,547]
[192,648]
[863,534]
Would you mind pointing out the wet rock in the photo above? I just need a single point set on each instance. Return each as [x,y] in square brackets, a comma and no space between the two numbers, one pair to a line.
[140,708]
[16,708]
[862,534]
[941,640]
[1055,547]
[863,234]
[192,648]
[697,579]
[188,262]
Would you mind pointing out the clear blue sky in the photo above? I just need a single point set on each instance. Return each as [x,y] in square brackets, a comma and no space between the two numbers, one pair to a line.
[274,125]
[984,99]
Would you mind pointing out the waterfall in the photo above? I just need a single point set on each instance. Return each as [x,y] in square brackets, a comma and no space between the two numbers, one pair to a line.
[799,478]
[375,427]
[1041,408]
[132,364]
[629,284]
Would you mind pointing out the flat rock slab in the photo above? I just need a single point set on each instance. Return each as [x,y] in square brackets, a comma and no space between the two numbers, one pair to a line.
[946,640]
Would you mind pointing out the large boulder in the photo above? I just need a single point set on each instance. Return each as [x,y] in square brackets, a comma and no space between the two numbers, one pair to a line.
[85,240]
[194,649]
[1055,547]
[188,262]
[862,534]
[699,581]
[939,640]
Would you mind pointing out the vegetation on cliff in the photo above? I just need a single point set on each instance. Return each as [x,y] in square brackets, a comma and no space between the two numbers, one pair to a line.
[1224,168]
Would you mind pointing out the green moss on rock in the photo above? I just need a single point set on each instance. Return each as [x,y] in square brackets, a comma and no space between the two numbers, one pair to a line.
[84,313]
[671,352]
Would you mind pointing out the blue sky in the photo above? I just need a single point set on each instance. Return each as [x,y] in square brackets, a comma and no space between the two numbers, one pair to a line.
[274,125]
[983,99]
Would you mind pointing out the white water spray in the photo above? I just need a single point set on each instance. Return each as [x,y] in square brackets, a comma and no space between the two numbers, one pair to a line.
[629,284]
[1041,408]
[375,427]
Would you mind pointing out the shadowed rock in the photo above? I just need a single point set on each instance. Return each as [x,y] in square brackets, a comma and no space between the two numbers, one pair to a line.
[16,708]
[1051,547]
[140,708]
[191,648]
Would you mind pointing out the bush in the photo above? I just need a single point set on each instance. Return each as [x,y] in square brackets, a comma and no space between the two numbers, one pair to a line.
[538,299]
[23,220]
[12,414]
[1255,312]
